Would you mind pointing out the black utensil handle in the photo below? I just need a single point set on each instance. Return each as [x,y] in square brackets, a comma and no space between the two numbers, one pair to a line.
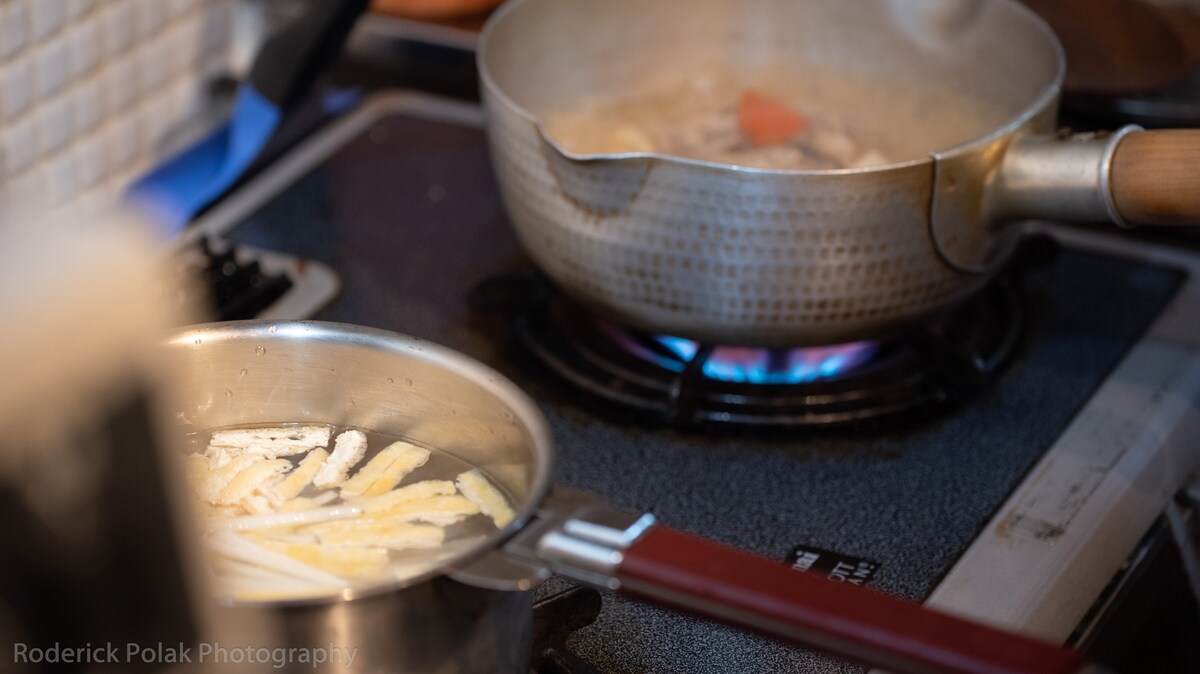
[291,59]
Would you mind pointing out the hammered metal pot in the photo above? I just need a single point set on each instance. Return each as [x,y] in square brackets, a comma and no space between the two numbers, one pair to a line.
[758,257]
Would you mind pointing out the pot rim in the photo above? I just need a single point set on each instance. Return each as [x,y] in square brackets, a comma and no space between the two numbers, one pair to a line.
[1045,96]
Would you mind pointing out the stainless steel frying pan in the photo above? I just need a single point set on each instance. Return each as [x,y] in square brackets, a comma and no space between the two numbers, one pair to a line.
[760,257]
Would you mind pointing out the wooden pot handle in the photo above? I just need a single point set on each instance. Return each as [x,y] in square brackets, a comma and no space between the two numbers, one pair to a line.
[685,572]
[1155,177]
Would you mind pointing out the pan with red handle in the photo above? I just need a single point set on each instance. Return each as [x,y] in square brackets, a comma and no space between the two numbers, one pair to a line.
[651,562]
[471,612]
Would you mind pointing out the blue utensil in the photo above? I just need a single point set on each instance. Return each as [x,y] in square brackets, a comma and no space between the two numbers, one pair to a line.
[283,73]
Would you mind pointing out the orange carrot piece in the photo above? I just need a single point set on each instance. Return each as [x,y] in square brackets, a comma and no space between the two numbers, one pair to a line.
[766,121]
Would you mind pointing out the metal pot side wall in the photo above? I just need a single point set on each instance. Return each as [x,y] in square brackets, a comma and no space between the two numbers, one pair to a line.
[745,256]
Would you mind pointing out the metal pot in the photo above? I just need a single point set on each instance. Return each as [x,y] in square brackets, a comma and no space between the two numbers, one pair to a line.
[731,255]
[473,614]
[246,373]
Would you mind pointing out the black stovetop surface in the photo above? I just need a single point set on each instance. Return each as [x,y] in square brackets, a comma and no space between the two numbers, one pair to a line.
[408,214]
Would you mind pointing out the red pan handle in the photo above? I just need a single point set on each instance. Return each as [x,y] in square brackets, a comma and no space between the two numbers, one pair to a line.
[685,572]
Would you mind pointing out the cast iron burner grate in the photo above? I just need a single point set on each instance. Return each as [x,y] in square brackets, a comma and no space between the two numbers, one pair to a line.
[555,618]
[669,380]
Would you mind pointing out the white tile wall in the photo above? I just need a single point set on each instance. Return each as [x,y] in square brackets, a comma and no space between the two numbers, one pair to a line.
[26,186]
[88,87]
[151,14]
[14,29]
[56,129]
[90,160]
[121,139]
[77,8]
[120,85]
[16,88]
[48,17]
[20,146]
[50,68]
[116,26]
[83,49]
[87,106]
[59,183]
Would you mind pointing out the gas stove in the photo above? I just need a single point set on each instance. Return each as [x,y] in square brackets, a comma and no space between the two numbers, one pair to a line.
[672,380]
[1058,413]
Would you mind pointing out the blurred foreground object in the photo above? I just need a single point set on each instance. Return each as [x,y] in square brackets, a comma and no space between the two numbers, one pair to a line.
[95,553]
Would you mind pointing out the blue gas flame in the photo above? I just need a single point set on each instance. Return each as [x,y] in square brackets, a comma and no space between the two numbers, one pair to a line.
[764,366]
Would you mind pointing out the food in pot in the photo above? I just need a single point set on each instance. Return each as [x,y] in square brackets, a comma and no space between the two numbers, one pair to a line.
[349,448]
[711,119]
[386,470]
[286,518]
[486,497]
[270,442]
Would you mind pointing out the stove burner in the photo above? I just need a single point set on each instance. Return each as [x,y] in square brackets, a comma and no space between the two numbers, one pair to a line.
[686,383]
[747,365]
